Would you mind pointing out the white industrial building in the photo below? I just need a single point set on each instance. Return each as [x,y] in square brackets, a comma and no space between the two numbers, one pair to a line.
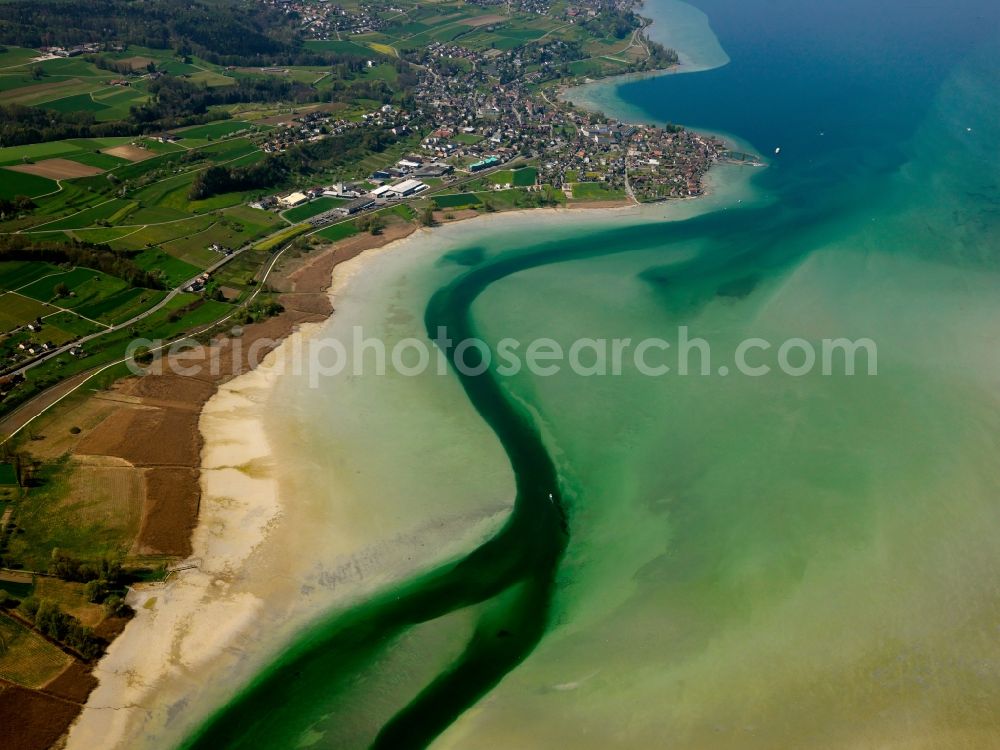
[408,187]
[295,199]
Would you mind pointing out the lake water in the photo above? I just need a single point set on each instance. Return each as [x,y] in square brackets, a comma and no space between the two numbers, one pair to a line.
[694,561]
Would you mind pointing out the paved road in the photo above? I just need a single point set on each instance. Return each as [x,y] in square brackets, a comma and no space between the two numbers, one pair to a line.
[34,408]
[21,369]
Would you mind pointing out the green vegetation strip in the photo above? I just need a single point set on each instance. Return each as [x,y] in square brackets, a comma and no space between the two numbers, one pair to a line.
[282,237]
[456,201]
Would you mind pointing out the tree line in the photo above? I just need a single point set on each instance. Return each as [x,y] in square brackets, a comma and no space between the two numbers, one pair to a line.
[304,158]
[177,102]
[99,257]
[222,31]
[21,125]
[176,98]
[50,620]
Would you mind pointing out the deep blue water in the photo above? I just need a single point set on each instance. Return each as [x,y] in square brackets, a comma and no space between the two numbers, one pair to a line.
[839,86]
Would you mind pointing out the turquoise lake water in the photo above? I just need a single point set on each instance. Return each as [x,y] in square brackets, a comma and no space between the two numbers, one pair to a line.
[724,562]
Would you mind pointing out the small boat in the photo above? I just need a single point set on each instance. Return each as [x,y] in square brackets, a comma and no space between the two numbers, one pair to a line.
[777,150]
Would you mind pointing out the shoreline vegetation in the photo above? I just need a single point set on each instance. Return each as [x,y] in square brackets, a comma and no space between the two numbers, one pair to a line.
[218,414]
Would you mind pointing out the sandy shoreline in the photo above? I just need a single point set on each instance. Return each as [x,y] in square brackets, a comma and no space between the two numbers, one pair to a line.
[198,613]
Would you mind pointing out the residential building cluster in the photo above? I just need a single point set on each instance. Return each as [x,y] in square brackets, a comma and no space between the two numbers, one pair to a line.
[476,119]
[478,109]
[25,343]
[326,20]
[316,125]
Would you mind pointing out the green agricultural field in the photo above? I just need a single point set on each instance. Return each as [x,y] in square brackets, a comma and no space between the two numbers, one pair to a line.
[173,270]
[93,144]
[176,68]
[214,129]
[13,184]
[525,177]
[223,200]
[17,273]
[122,214]
[76,103]
[71,199]
[97,159]
[167,200]
[85,286]
[87,217]
[97,235]
[233,229]
[212,78]
[36,151]
[596,67]
[77,67]
[108,348]
[160,148]
[459,200]
[343,47]
[11,81]
[253,218]
[595,191]
[503,177]
[171,192]
[157,215]
[49,521]
[116,95]
[242,269]
[503,200]
[467,138]
[14,56]
[338,231]
[272,243]
[36,94]
[160,233]
[117,102]
[66,326]
[196,249]
[201,313]
[121,305]
[230,149]
[247,159]
[26,658]
[16,311]
[403,211]
[384,72]
[308,210]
